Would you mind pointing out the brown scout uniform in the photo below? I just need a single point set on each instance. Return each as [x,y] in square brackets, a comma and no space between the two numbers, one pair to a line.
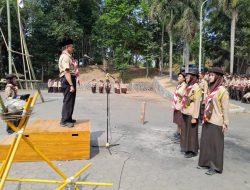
[212,137]
[10,91]
[177,116]
[189,136]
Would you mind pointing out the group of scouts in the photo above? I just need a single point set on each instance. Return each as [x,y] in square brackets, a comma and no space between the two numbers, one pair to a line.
[54,86]
[238,87]
[118,88]
[202,98]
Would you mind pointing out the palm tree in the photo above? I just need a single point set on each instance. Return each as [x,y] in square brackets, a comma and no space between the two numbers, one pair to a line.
[159,13]
[167,10]
[230,8]
[188,25]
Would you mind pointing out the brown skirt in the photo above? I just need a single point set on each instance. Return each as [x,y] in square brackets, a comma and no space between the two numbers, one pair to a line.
[212,147]
[178,118]
[189,135]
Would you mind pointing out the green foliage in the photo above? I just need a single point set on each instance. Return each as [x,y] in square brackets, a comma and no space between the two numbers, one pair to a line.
[127,32]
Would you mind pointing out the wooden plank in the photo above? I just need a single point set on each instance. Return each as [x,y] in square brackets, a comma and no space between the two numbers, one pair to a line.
[57,143]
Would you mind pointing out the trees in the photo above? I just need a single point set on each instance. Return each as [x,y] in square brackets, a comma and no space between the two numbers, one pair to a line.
[129,32]
[231,9]
[188,25]
[120,31]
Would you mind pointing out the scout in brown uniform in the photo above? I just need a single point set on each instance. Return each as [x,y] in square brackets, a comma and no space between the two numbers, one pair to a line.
[177,115]
[50,88]
[10,93]
[59,84]
[107,86]
[11,86]
[55,86]
[190,109]
[124,88]
[101,86]
[93,86]
[215,122]
[68,80]
[204,88]
[117,87]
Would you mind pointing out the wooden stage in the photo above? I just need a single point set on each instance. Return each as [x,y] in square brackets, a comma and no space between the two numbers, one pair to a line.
[57,143]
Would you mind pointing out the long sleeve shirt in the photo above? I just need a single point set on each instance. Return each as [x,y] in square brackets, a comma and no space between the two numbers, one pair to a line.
[194,96]
[220,108]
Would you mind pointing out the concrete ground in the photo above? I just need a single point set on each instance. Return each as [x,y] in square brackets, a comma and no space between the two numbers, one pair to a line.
[146,158]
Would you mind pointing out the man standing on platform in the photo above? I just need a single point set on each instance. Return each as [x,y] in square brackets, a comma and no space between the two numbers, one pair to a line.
[68,81]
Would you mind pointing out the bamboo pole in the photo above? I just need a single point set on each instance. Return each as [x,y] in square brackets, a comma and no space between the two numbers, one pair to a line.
[35,181]
[143,109]
[21,40]
[17,75]
[10,161]
[31,67]
[7,47]
[57,182]
[4,163]
[75,176]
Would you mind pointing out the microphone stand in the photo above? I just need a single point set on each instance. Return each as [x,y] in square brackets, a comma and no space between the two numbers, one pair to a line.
[108,144]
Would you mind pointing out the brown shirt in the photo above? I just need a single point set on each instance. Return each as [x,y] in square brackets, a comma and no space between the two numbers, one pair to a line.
[204,87]
[66,63]
[195,96]
[221,108]
[181,90]
[10,91]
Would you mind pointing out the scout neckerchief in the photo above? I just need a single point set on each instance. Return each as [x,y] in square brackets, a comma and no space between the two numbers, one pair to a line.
[208,102]
[74,62]
[175,99]
[184,99]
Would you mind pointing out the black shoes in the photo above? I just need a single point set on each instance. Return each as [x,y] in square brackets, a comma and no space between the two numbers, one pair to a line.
[201,168]
[189,155]
[73,121]
[211,172]
[67,124]
[177,136]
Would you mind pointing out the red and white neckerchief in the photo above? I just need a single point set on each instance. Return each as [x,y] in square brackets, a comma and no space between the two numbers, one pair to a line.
[208,101]
[175,99]
[74,62]
[184,98]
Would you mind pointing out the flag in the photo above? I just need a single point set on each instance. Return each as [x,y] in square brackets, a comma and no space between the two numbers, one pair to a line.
[21,3]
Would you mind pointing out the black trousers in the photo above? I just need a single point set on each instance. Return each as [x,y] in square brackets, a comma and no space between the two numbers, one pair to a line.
[68,99]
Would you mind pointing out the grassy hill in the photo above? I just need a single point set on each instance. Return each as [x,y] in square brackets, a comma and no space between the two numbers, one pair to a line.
[134,74]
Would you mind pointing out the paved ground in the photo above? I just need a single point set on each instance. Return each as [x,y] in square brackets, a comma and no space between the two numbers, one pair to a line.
[146,158]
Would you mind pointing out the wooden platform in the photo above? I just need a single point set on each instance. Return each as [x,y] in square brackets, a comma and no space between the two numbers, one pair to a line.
[57,143]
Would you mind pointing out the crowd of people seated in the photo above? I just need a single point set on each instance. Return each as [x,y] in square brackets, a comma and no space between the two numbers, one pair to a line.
[118,87]
[238,87]
[54,86]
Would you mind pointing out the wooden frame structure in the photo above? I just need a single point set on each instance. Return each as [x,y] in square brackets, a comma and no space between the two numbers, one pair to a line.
[20,134]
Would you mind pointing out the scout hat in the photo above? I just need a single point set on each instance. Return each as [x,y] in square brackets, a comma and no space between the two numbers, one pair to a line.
[217,70]
[10,76]
[193,72]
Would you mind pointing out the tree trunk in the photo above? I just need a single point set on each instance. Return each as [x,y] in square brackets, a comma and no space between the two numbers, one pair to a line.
[157,63]
[170,54]
[170,46]
[162,48]
[232,39]
[1,61]
[186,56]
